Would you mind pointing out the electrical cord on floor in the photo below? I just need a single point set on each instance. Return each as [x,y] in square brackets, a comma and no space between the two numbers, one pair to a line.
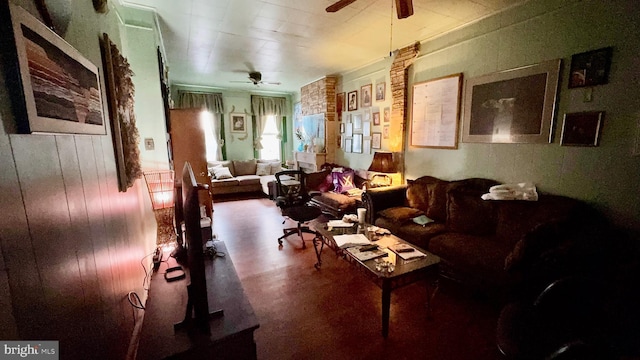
[136,298]
[147,274]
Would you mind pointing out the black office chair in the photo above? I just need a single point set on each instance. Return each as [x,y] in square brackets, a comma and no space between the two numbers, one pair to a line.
[292,199]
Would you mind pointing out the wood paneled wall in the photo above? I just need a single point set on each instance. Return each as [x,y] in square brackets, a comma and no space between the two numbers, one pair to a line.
[72,244]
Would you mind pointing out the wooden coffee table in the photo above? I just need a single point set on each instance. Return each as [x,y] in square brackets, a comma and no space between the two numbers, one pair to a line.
[406,271]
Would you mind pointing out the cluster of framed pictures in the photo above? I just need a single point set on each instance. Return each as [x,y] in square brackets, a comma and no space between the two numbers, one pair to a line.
[366,97]
[356,128]
[512,106]
[357,131]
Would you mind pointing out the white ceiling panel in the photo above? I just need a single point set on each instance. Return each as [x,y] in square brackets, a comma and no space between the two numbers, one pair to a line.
[214,42]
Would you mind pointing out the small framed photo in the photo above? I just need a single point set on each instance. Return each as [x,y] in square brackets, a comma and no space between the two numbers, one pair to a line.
[376,140]
[380,91]
[387,114]
[352,97]
[590,68]
[366,95]
[357,122]
[347,145]
[376,118]
[366,145]
[582,129]
[357,144]
[385,132]
[238,123]
[366,128]
[348,129]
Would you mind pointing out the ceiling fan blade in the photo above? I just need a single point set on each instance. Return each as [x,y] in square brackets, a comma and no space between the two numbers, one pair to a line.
[404,8]
[339,5]
[242,82]
[269,83]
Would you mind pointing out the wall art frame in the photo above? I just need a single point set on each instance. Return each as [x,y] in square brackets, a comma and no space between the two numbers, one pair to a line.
[376,140]
[590,68]
[582,128]
[352,98]
[238,122]
[380,91]
[435,112]
[376,118]
[120,96]
[512,106]
[365,92]
[357,143]
[34,53]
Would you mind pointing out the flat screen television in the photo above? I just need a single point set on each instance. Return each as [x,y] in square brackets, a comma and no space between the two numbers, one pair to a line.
[197,313]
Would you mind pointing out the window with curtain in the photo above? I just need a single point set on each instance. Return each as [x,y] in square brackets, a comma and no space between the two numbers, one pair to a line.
[268,112]
[270,140]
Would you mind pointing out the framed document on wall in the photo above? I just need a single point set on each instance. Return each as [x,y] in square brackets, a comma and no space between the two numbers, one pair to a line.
[435,112]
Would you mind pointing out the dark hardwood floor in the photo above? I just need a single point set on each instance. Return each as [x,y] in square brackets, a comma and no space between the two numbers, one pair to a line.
[334,313]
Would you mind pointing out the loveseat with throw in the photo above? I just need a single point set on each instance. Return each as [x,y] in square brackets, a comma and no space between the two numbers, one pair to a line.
[241,176]
[498,246]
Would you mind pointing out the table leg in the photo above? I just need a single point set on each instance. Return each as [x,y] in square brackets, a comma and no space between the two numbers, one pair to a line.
[431,294]
[386,304]
[316,239]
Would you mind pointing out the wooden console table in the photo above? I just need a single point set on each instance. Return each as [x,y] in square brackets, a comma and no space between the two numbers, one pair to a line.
[309,162]
[231,334]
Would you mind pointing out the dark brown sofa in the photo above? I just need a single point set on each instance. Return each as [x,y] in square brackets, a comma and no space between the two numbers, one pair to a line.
[491,244]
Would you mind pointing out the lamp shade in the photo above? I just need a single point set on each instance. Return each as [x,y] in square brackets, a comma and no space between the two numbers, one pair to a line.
[382,162]
[160,186]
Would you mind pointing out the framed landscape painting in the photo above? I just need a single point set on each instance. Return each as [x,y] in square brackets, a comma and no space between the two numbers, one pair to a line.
[511,106]
[70,104]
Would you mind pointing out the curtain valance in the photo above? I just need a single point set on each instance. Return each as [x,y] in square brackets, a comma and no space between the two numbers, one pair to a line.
[265,105]
[210,101]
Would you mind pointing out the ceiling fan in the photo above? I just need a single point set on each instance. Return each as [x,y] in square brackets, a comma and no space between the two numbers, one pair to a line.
[255,77]
[403,7]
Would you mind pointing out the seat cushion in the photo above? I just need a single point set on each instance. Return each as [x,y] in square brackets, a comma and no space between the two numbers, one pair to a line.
[480,254]
[224,183]
[419,235]
[248,179]
[335,200]
[400,214]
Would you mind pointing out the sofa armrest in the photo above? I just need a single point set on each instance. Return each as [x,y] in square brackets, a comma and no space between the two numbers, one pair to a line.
[377,199]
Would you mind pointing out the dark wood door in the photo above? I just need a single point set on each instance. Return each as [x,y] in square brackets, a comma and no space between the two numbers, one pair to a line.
[188,144]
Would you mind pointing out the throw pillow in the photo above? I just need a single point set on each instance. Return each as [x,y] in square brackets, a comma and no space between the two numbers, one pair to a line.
[400,213]
[343,181]
[263,169]
[222,173]
[247,167]
[316,180]
[275,167]
[213,167]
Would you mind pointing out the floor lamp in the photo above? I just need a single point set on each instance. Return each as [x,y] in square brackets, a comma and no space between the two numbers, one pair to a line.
[160,186]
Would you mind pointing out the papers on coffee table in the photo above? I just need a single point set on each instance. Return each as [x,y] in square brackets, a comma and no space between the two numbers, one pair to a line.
[339,223]
[349,240]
